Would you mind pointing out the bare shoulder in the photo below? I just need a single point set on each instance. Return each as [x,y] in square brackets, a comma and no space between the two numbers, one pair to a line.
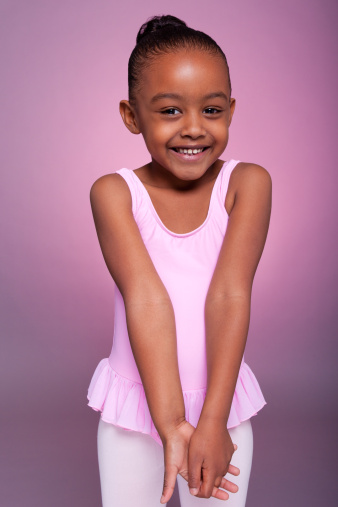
[247,178]
[247,174]
[110,188]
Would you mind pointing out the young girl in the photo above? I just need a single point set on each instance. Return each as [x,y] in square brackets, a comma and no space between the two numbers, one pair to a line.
[182,237]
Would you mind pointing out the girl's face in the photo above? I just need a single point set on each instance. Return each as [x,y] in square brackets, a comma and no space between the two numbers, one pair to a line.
[182,104]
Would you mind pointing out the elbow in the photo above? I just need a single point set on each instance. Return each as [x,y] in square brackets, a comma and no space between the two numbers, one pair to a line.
[145,291]
[230,306]
[146,299]
[242,297]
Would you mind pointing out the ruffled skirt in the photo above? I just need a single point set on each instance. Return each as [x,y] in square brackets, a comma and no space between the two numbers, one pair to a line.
[122,402]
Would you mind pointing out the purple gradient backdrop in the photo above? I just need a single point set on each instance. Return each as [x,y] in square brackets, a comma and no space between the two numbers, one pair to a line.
[64,70]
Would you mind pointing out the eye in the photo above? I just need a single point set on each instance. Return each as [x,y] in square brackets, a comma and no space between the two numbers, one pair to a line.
[171,111]
[212,110]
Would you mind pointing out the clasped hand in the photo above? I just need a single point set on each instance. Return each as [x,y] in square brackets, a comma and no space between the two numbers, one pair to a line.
[202,457]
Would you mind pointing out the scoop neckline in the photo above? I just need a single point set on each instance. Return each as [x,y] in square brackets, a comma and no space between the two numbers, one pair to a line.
[156,216]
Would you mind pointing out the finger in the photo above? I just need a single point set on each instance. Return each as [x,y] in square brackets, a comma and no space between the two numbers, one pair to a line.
[233,470]
[236,447]
[208,483]
[220,494]
[170,474]
[194,474]
[216,492]
[228,485]
[218,481]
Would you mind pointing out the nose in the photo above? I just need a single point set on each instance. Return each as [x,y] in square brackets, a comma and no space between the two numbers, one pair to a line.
[193,126]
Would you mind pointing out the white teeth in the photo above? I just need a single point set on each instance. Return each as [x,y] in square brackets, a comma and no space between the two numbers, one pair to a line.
[189,151]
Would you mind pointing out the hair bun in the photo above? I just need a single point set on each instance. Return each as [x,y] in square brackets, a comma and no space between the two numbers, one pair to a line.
[157,23]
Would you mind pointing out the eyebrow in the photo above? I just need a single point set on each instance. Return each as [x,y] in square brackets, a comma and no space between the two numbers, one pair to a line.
[160,96]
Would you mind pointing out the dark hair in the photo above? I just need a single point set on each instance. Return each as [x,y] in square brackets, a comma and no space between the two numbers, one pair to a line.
[165,34]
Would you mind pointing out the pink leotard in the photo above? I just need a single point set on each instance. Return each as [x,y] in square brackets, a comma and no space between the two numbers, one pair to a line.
[185,264]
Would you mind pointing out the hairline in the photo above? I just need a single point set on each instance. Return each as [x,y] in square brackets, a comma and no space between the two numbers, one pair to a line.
[149,60]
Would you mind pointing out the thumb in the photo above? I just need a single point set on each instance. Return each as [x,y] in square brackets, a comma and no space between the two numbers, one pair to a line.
[194,481]
[169,481]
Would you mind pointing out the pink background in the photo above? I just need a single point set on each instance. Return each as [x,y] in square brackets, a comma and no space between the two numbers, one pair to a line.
[64,70]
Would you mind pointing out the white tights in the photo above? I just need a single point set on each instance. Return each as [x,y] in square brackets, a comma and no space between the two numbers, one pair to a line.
[131,469]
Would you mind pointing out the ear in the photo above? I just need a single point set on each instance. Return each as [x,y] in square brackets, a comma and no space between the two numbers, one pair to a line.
[128,116]
[232,109]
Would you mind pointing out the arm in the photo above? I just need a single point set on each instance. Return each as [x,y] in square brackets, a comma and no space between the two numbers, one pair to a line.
[227,315]
[227,307]
[149,312]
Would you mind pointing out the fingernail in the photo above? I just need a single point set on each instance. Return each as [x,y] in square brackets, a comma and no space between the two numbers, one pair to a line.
[193,491]
[162,498]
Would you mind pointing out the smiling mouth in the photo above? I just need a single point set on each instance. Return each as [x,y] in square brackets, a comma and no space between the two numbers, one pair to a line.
[189,151]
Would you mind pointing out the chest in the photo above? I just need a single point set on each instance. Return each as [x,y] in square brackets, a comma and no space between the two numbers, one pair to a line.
[183,212]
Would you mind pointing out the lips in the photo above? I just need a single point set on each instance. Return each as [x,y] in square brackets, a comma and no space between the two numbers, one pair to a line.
[189,150]
[189,153]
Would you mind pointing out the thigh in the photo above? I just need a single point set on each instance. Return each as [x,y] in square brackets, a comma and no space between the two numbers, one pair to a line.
[242,458]
[131,467]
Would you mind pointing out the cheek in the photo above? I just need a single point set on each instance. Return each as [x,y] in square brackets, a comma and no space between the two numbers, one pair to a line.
[220,131]
[161,133]
[156,140]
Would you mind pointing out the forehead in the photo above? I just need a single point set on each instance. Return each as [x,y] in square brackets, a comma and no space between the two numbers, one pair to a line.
[190,73]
